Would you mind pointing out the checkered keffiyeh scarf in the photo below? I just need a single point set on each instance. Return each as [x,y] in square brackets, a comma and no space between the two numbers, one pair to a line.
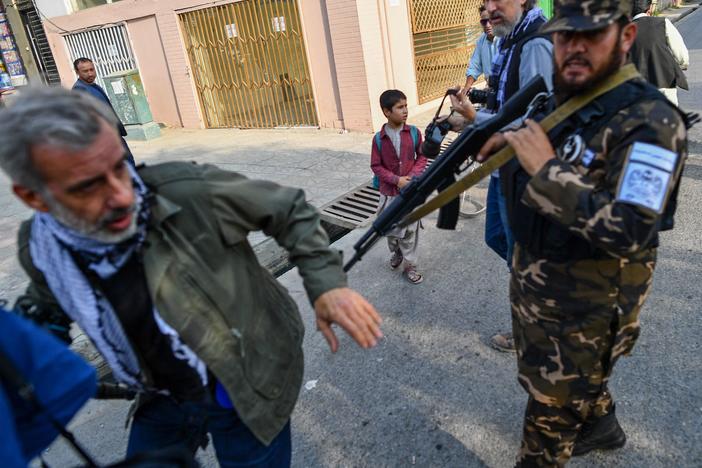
[52,246]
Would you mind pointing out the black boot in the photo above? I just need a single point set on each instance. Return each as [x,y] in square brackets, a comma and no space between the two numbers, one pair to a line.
[603,434]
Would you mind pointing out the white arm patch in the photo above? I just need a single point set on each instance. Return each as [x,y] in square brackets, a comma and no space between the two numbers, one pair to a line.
[647,176]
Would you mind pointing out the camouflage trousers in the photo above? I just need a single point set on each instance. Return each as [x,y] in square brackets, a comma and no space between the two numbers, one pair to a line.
[571,322]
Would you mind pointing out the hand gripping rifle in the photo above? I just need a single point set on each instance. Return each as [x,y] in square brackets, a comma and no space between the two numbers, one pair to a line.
[442,173]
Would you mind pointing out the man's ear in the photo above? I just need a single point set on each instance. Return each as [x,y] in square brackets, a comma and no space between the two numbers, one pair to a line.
[628,36]
[30,197]
[386,112]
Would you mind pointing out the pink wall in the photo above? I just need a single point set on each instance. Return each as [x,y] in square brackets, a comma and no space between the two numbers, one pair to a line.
[322,64]
[151,59]
[155,35]
[350,65]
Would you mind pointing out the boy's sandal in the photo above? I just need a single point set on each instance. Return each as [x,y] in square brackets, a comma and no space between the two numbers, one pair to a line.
[413,276]
[396,260]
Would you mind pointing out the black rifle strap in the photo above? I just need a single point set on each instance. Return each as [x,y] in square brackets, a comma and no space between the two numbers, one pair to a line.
[25,390]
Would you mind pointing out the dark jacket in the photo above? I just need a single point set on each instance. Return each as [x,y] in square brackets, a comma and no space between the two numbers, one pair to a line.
[569,211]
[653,57]
[96,91]
[207,284]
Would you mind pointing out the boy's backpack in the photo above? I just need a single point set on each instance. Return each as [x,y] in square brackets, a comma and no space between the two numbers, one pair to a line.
[414,131]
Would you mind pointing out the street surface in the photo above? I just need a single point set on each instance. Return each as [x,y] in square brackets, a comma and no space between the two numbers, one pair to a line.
[433,393]
[691,29]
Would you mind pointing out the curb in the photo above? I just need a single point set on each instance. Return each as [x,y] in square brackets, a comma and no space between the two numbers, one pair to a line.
[685,13]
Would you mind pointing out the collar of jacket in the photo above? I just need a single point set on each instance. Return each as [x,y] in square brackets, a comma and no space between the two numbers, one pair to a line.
[161,209]
[156,247]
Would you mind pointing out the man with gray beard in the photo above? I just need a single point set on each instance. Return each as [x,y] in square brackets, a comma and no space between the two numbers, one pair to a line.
[154,265]
[522,54]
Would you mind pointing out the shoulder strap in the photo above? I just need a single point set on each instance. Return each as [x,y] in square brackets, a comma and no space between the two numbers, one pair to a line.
[415,138]
[512,85]
[378,142]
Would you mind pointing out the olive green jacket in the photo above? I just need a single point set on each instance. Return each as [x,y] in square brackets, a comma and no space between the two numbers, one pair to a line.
[207,284]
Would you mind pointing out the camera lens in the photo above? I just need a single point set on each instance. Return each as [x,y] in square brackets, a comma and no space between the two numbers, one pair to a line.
[430,148]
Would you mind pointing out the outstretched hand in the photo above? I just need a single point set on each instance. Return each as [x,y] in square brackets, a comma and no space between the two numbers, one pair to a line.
[352,312]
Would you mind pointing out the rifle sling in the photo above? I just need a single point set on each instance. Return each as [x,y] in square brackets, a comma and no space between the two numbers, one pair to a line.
[626,73]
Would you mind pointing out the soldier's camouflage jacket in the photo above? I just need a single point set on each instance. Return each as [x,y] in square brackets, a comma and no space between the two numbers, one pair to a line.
[587,228]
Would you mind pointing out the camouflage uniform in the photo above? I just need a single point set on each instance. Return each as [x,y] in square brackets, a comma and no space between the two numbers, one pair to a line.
[583,267]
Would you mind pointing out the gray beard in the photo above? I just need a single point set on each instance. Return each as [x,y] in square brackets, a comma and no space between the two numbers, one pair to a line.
[505,29]
[94,231]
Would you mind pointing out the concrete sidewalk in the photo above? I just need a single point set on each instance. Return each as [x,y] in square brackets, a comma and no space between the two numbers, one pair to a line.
[675,14]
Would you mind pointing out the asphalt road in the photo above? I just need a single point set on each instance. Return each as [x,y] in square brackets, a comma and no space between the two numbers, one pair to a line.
[691,29]
[434,394]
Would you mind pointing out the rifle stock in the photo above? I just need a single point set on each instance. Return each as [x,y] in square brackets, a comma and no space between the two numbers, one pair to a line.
[442,173]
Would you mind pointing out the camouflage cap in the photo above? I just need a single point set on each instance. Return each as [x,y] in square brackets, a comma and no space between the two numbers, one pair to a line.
[586,15]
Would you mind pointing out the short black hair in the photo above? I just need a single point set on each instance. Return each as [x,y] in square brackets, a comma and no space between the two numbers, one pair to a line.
[80,60]
[391,97]
[482,8]
[640,6]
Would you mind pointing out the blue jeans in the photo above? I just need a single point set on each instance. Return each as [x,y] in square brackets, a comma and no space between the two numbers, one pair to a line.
[498,235]
[163,423]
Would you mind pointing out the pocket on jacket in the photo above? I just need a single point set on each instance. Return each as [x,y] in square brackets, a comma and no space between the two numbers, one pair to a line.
[275,343]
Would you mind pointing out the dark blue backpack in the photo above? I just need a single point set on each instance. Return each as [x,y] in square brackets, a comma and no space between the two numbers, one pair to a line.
[379,144]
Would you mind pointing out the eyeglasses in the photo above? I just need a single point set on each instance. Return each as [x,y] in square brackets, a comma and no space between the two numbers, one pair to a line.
[484,22]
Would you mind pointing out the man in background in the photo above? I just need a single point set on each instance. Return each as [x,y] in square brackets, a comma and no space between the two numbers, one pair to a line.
[485,48]
[659,51]
[523,54]
[85,69]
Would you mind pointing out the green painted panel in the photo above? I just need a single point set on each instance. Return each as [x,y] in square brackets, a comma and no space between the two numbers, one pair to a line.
[127,96]
[547,6]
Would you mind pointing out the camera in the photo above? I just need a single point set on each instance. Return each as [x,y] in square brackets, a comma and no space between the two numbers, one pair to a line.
[44,315]
[433,136]
[436,131]
[486,97]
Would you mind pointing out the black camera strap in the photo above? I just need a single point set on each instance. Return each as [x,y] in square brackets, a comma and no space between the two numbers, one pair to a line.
[13,378]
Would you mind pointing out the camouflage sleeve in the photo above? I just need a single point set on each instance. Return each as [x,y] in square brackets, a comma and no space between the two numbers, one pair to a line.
[587,204]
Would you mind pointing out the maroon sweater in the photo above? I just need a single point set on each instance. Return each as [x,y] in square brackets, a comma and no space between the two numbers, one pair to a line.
[389,167]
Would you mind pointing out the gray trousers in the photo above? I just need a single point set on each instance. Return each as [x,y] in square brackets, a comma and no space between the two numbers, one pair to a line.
[402,240]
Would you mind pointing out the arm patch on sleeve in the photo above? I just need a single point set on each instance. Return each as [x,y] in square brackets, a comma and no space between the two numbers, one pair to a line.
[647,176]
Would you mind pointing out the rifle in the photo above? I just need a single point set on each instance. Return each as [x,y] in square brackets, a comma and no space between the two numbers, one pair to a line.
[442,173]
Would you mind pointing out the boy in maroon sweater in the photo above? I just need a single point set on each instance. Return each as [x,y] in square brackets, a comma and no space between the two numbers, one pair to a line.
[395,158]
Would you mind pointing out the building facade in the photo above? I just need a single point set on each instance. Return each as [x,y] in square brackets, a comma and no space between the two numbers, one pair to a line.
[25,55]
[269,63]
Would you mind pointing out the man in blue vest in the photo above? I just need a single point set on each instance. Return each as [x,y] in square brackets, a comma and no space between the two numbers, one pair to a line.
[522,54]
[85,69]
